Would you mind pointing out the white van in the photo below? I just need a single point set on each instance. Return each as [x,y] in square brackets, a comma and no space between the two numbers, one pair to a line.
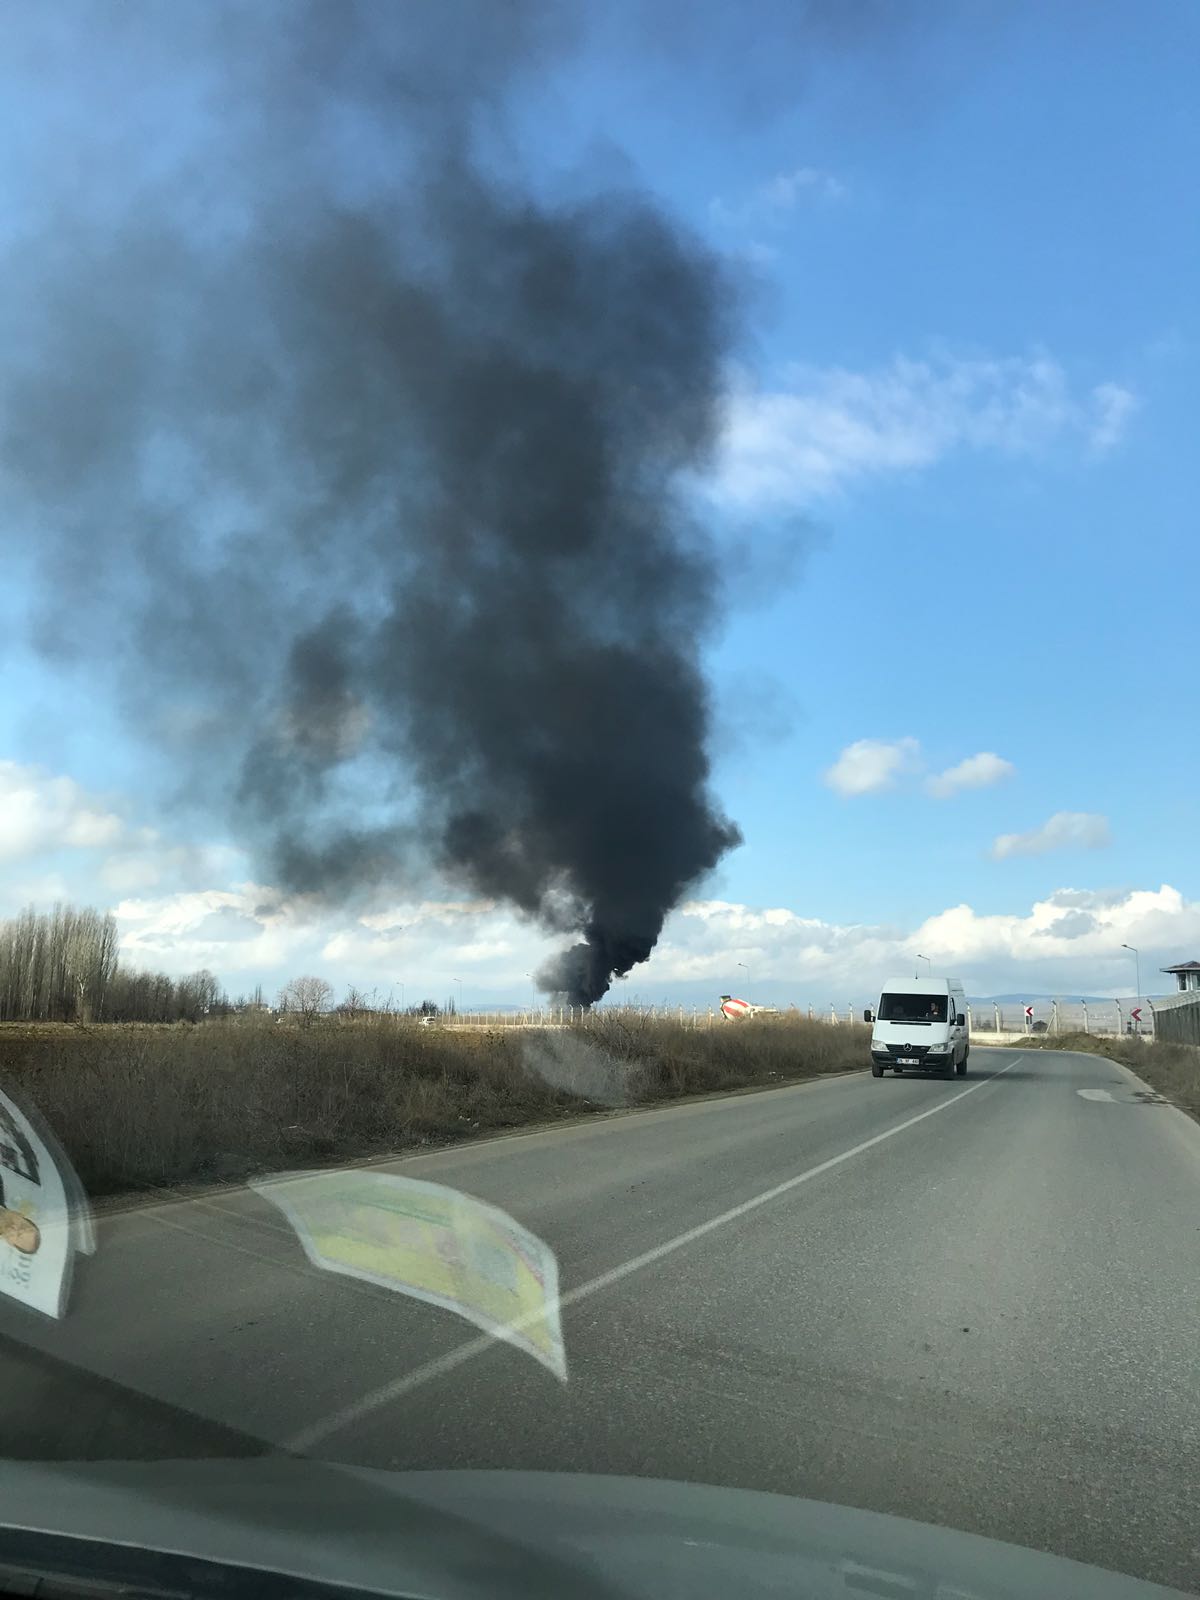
[920,1024]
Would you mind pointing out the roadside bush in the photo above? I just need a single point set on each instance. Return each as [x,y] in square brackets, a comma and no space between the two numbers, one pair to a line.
[145,1106]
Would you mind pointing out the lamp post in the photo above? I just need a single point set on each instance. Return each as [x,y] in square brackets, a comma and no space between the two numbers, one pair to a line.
[745,969]
[1137,970]
[928,965]
[458,981]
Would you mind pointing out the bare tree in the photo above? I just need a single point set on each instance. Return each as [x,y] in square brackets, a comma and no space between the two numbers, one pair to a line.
[307,996]
[354,1004]
[62,966]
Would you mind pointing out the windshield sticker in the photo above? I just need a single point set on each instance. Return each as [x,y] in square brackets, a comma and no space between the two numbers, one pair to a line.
[44,1214]
[433,1244]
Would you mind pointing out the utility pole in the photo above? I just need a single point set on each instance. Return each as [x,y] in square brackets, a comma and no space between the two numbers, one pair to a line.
[1137,970]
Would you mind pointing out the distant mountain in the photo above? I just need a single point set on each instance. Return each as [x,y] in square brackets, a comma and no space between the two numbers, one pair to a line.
[1027,999]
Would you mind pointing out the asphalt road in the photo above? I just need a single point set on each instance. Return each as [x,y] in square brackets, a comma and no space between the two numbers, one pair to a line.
[972,1302]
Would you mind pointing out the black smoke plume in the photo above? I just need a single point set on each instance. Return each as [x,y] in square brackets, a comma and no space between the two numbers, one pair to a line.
[367,468]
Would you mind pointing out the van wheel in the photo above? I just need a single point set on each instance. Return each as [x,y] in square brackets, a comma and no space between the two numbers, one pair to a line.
[962,1065]
[876,1070]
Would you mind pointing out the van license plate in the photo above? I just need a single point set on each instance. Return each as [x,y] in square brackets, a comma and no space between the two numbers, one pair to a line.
[907,1061]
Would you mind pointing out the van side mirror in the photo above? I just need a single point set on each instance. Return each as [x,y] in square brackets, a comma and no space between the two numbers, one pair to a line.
[960,1021]
[868,1015]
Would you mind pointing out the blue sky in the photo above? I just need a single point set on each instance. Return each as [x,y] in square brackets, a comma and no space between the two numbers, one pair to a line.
[970,252]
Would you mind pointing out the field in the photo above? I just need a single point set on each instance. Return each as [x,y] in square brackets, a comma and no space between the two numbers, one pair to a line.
[143,1106]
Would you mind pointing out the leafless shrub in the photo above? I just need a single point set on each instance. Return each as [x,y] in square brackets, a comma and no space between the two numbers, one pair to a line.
[306,998]
[139,1106]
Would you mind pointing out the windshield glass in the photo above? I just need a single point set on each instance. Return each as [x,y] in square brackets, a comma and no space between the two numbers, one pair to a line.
[550,550]
[912,1008]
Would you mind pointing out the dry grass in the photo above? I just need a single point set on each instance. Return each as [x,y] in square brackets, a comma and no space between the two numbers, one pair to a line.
[1172,1069]
[144,1106]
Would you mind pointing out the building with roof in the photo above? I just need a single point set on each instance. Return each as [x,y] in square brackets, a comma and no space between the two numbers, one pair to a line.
[1186,975]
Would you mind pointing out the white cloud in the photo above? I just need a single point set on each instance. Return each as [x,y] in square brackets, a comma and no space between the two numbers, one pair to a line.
[411,950]
[1070,942]
[1065,830]
[250,932]
[1112,407]
[868,765]
[1067,942]
[58,841]
[770,203]
[43,889]
[755,253]
[147,860]
[785,189]
[827,427]
[246,929]
[975,772]
[40,813]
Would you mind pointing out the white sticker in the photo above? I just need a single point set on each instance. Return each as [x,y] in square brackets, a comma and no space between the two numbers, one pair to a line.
[39,1233]
[433,1244]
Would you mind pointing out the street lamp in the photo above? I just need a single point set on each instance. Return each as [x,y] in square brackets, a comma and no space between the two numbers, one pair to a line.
[744,968]
[400,982]
[458,981]
[1137,970]
[928,965]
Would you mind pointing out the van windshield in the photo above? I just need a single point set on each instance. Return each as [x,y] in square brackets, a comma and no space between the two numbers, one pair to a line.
[912,1008]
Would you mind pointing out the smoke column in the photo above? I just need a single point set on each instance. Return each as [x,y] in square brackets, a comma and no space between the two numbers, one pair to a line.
[360,462]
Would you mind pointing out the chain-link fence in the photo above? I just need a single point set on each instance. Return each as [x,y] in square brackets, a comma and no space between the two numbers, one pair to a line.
[1106,1017]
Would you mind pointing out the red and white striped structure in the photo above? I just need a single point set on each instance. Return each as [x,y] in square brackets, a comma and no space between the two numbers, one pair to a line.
[732,1009]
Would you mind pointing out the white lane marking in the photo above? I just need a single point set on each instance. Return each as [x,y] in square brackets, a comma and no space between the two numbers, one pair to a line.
[1093,1094]
[317,1432]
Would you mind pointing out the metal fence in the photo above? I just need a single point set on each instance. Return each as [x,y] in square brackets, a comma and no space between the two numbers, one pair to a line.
[1177,1020]
[686,1016]
[1108,1018]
